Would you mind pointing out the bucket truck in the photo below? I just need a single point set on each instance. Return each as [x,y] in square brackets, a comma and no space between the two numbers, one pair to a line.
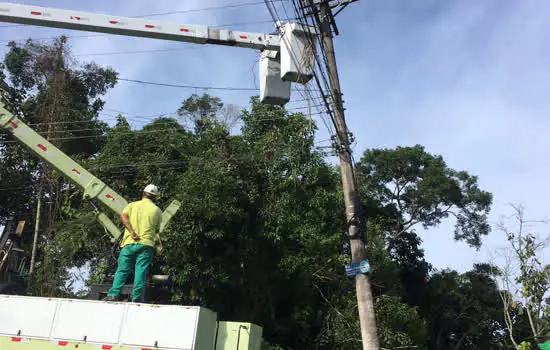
[38,323]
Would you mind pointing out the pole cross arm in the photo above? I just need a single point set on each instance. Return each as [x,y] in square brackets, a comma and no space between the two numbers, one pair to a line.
[93,22]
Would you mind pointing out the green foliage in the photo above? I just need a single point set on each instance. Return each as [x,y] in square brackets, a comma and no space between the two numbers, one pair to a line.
[464,310]
[421,189]
[61,99]
[532,280]
[400,326]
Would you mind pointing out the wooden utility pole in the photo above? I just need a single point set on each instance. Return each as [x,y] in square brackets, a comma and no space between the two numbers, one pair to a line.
[325,20]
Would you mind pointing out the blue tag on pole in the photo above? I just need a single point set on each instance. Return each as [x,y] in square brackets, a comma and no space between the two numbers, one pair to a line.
[357,268]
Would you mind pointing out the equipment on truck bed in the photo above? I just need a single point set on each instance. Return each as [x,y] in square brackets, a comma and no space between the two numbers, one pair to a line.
[12,259]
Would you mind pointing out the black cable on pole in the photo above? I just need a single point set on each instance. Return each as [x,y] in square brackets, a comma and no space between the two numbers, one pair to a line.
[276,19]
[315,75]
[323,73]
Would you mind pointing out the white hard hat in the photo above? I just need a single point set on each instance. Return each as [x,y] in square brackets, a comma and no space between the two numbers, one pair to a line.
[152,189]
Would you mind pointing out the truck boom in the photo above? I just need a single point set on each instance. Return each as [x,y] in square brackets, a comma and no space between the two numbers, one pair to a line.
[93,187]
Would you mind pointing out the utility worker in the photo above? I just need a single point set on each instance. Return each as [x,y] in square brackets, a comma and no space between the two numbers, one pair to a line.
[142,221]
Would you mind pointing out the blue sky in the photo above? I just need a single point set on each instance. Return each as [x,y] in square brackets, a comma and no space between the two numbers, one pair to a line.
[467,79]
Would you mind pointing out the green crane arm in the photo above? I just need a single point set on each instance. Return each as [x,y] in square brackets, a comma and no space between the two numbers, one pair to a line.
[93,187]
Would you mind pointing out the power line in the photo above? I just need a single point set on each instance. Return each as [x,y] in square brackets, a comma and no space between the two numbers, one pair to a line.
[276,19]
[303,18]
[141,118]
[134,132]
[141,51]
[186,86]
[204,9]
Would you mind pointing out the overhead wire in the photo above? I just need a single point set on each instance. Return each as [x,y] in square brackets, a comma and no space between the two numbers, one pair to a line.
[140,118]
[107,134]
[272,10]
[185,86]
[188,86]
[307,90]
[322,68]
[276,18]
[204,9]
[141,51]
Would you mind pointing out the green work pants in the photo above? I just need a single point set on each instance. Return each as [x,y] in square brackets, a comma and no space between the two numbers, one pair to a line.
[137,255]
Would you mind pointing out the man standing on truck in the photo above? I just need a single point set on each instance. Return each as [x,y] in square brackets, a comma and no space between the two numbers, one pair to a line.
[142,221]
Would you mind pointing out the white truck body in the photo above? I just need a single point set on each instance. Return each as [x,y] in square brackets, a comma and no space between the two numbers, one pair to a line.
[40,323]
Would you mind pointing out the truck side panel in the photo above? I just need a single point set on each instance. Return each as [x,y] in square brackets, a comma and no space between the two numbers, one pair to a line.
[72,322]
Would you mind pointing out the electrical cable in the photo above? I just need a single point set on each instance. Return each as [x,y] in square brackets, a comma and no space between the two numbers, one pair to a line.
[141,51]
[320,66]
[203,9]
[276,19]
[185,86]
[134,132]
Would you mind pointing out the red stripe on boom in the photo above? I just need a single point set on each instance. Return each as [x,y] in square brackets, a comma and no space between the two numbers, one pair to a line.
[36,13]
[41,146]
[15,126]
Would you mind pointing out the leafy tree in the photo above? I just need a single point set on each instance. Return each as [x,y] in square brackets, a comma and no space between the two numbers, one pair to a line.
[525,293]
[400,326]
[60,99]
[464,310]
[205,111]
[419,188]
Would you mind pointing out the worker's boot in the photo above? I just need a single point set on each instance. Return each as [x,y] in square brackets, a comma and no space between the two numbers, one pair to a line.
[112,298]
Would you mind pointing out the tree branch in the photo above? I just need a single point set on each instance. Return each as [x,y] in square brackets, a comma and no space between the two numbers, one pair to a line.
[406,228]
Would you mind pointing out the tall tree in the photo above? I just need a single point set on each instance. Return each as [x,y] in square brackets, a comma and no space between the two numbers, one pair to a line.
[419,188]
[60,99]
[525,289]
[464,310]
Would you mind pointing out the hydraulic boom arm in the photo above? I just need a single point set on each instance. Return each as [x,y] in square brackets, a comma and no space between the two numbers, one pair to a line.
[288,55]
[93,187]
[69,19]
